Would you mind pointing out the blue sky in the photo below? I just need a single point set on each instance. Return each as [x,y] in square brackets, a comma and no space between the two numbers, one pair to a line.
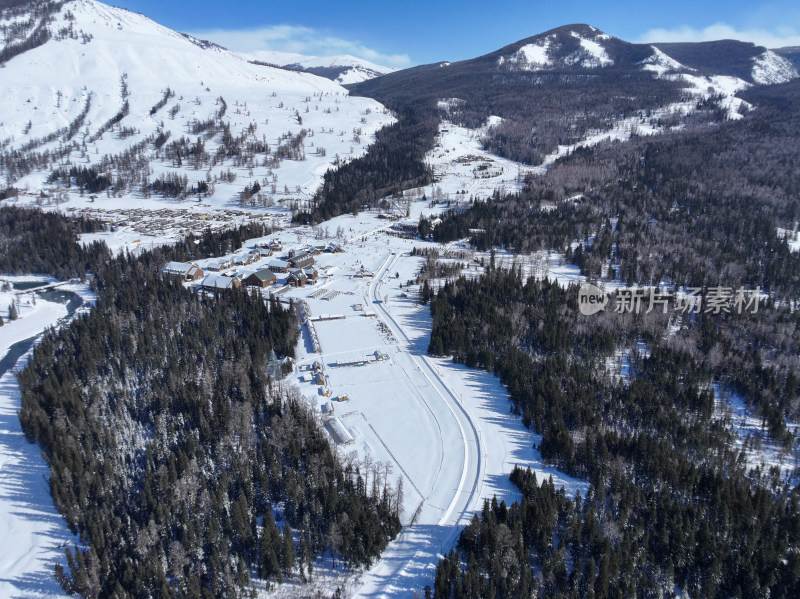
[418,32]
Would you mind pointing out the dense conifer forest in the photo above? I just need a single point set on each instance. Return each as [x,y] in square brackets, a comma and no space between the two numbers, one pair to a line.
[32,241]
[672,504]
[182,466]
[699,207]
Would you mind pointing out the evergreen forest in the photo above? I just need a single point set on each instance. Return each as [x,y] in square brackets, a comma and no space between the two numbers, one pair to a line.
[182,466]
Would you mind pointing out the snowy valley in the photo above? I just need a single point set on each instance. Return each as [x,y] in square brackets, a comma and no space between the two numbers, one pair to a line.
[156,137]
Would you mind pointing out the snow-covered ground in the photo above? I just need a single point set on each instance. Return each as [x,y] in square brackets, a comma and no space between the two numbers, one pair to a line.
[446,430]
[753,437]
[121,59]
[463,169]
[32,530]
[32,312]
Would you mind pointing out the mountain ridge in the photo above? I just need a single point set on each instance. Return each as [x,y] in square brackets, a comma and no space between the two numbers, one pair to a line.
[342,68]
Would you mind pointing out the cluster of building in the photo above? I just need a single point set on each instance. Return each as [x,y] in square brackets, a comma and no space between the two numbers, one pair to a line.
[226,272]
[181,221]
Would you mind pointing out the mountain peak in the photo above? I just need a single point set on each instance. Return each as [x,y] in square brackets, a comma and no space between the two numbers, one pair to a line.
[577,45]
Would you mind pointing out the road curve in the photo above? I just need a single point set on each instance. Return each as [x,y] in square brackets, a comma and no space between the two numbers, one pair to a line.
[464,497]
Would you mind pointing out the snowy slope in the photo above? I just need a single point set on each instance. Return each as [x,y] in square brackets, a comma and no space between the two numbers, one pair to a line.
[559,49]
[32,530]
[591,54]
[530,57]
[104,64]
[770,68]
[660,63]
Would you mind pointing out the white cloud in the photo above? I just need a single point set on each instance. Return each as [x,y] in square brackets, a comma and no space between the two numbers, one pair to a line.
[297,40]
[775,38]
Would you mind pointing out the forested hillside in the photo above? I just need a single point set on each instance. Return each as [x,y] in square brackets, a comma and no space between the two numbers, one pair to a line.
[699,207]
[32,241]
[672,504]
[394,162]
[185,469]
[540,108]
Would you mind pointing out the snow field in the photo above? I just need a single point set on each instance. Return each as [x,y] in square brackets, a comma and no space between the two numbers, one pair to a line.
[34,531]
[34,312]
[753,438]
[125,61]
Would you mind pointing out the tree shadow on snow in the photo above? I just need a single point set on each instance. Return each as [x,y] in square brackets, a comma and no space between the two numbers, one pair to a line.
[26,504]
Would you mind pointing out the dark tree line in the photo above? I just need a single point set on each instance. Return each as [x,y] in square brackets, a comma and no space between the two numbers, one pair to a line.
[394,162]
[32,241]
[89,179]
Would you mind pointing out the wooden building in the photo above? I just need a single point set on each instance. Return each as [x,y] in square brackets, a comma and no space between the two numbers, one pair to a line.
[263,278]
[184,271]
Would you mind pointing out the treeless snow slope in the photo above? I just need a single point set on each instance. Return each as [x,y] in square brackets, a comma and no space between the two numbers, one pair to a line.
[124,43]
[770,68]
[32,532]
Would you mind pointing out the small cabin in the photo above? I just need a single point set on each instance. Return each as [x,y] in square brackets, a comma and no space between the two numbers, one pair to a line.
[185,271]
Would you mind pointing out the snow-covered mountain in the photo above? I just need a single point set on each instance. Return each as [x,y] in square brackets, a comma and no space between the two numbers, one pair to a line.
[342,69]
[594,70]
[86,85]
[579,46]
[743,60]
[586,47]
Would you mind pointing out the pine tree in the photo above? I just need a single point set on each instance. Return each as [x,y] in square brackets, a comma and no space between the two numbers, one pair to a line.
[287,551]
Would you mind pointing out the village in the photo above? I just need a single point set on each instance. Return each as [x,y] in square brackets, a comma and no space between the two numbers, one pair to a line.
[441,430]
[322,275]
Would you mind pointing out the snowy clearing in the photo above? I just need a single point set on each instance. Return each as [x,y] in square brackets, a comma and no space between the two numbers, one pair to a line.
[753,438]
[446,430]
